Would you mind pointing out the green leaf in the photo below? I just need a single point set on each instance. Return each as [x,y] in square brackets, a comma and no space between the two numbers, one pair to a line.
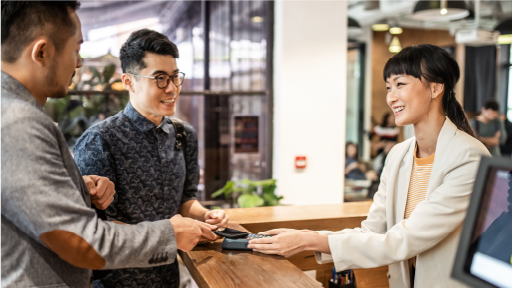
[95,73]
[267,182]
[226,190]
[248,201]
[271,199]
[108,72]
[246,182]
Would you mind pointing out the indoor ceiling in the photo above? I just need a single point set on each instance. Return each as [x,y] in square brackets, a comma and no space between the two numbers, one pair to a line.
[97,14]
[399,13]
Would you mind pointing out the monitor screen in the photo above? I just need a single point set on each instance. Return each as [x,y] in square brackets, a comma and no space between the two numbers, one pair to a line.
[487,237]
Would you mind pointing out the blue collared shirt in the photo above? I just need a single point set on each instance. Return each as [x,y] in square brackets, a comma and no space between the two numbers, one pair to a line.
[151,178]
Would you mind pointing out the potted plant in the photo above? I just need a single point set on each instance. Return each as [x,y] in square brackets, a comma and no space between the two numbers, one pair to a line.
[251,193]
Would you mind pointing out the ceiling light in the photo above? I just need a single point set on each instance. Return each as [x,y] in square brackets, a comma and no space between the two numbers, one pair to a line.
[395,46]
[380,27]
[257,19]
[505,28]
[395,30]
[445,10]
[505,39]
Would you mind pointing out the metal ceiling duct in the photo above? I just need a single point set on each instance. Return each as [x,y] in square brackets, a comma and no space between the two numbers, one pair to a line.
[352,23]
[371,5]
[354,29]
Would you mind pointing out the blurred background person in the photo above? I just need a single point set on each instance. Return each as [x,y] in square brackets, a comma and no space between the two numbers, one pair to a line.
[489,128]
[506,148]
[355,169]
[386,131]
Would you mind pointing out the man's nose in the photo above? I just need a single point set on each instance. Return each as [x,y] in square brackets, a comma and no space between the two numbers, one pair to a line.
[79,62]
[171,88]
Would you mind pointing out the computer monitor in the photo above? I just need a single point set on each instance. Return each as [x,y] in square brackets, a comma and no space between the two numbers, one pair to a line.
[484,256]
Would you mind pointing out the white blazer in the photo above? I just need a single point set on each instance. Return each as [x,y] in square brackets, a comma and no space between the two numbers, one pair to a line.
[432,231]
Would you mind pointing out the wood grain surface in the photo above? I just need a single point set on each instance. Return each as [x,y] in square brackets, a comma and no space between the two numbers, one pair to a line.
[332,217]
[212,267]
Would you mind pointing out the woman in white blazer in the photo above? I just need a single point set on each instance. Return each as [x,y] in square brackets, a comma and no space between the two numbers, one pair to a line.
[420,82]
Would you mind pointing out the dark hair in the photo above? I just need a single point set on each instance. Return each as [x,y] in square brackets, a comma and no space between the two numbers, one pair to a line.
[385,120]
[140,42]
[492,104]
[435,65]
[351,143]
[24,21]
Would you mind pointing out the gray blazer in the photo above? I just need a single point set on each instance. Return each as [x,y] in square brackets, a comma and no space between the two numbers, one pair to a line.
[50,235]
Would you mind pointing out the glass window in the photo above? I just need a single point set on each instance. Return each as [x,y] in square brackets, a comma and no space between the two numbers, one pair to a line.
[226,94]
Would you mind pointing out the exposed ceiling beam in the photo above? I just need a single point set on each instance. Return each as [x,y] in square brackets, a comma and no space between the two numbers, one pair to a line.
[87,4]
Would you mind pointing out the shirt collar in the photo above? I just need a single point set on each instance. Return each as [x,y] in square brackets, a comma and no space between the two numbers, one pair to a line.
[143,123]
[18,90]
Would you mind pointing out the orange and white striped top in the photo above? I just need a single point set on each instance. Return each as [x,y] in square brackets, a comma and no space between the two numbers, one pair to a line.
[421,169]
[420,175]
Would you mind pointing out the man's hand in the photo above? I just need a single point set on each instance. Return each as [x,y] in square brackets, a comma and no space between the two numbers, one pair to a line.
[101,189]
[189,231]
[216,217]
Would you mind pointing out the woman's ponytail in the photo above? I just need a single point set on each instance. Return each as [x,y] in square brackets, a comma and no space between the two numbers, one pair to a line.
[455,112]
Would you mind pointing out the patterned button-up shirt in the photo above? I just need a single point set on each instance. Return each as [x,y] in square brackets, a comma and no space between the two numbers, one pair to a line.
[151,178]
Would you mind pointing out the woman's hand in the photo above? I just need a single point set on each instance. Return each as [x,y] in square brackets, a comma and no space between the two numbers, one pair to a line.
[288,242]
[274,232]
[351,166]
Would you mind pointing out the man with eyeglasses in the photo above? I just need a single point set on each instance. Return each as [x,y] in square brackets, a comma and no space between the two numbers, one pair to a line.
[136,150]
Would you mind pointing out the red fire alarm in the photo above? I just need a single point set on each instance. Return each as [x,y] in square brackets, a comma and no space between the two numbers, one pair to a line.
[300,162]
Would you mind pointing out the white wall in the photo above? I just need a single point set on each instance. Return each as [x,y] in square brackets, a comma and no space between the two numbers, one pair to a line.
[310,48]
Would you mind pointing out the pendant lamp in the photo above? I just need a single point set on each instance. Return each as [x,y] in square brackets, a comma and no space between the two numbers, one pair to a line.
[394,46]
[444,10]
[505,28]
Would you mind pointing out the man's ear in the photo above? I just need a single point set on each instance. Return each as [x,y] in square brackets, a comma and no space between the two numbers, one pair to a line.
[128,82]
[42,51]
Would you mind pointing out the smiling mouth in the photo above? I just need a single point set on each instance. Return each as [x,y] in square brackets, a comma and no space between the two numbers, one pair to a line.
[168,101]
[396,110]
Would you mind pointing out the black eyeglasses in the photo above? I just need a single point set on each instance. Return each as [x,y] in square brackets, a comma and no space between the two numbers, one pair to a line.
[163,80]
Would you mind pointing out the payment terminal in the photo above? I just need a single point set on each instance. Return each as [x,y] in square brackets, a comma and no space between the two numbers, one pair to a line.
[237,240]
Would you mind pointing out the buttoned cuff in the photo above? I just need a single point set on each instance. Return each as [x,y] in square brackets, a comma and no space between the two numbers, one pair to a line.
[171,251]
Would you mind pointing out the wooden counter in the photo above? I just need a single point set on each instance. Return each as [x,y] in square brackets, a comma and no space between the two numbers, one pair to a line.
[331,217]
[210,266]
